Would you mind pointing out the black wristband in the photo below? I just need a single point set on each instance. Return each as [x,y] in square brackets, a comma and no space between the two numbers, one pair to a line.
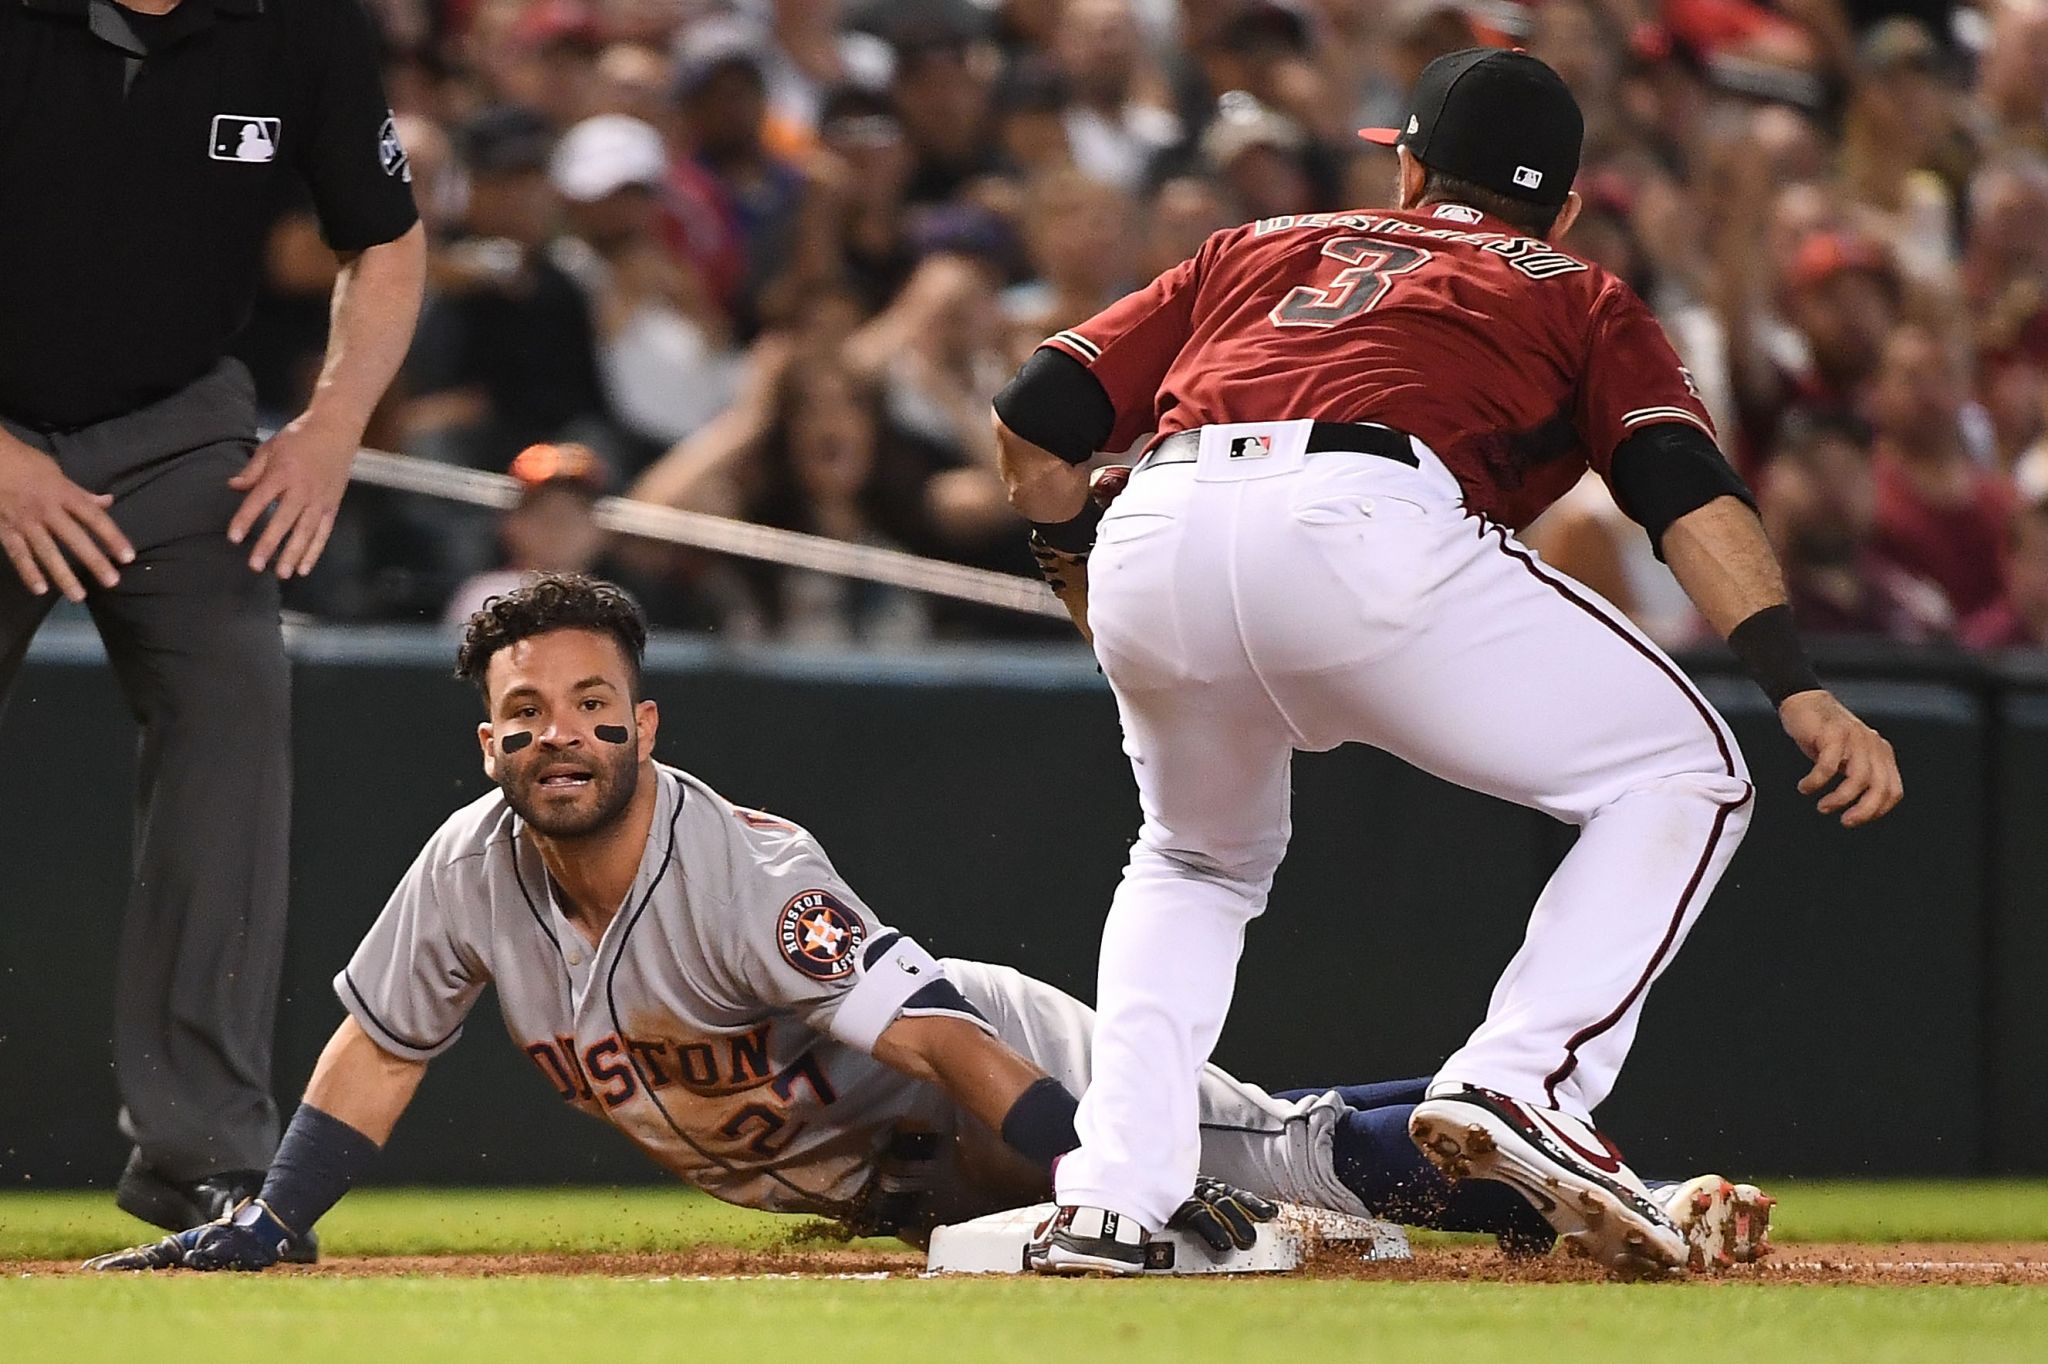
[1768,645]
[1076,536]
[1040,1125]
[318,1159]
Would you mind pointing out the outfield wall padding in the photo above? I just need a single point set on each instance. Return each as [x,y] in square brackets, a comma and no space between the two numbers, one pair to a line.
[1852,1003]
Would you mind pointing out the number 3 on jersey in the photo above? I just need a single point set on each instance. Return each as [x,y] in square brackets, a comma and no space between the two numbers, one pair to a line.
[1372,266]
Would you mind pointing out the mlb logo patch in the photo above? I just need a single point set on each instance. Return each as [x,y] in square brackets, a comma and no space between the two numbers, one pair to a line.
[244,137]
[1528,177]
[1251,447]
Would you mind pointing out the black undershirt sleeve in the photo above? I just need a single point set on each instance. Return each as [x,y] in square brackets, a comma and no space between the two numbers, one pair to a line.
[1057,405]
[1664,471]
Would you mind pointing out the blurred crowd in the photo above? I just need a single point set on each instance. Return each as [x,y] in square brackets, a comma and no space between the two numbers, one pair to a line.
[772,259]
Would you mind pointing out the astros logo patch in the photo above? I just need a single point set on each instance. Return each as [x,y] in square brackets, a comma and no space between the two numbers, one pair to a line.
[819,935]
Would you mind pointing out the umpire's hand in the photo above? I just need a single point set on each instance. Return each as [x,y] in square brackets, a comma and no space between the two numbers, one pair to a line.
[248,1238]
[44,515]
[299,474]
[1223,1215]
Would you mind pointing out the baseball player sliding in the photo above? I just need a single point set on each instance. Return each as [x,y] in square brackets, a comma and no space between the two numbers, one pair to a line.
[699,976]
[1355,413]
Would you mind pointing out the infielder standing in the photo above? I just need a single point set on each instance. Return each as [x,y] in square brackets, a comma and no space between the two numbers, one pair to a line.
[145,147]
[698,975]
[1357,412]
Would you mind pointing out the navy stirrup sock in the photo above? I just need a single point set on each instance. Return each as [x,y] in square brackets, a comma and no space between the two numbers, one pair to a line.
[1377,1161]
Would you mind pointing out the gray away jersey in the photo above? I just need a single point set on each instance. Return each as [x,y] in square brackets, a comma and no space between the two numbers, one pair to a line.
[723,1023]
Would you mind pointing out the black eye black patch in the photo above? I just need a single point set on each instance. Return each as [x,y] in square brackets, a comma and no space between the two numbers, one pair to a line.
[614,734]
[512,743]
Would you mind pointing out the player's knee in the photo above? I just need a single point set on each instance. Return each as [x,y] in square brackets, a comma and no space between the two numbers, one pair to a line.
[1245,868]
[1728,799]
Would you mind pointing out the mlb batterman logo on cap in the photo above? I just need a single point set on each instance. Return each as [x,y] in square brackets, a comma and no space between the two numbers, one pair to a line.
[1502,120]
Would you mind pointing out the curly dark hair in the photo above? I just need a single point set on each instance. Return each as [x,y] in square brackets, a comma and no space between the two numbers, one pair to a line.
[553,601]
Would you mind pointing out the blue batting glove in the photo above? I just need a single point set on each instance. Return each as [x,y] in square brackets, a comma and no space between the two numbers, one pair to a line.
[251,1237]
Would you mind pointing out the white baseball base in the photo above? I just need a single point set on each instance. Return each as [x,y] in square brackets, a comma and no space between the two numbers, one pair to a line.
[995,1244]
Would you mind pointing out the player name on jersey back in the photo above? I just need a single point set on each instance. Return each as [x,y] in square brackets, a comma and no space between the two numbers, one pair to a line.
[1518,363]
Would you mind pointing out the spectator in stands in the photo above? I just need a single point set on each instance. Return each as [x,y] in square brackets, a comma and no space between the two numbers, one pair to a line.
[739,199]
[1262,157]
[551,530]
[1032,105]
[807,53]
[633,79]
[1115,124]
[547,60]
[2021,620]
[437,179]
[1182,213]
[856,210]
[662,351]
[1843,298]
[901,188]
[2005,285]
[1941,514]
[940,352]
[816,454]
[1819,499]
[506,354]
[1581,43]
[1077,235]
[2014,73]
[944,90]
[1905,158]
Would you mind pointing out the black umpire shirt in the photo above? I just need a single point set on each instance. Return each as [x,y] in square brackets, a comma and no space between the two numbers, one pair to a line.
[142,159]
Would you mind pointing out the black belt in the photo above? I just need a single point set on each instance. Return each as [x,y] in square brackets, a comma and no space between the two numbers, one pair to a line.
[1184,447]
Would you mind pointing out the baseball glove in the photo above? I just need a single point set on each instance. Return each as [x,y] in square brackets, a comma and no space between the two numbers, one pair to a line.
[1066,571]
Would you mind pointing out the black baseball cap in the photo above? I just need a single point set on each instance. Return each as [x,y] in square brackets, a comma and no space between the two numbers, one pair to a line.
[1502,120]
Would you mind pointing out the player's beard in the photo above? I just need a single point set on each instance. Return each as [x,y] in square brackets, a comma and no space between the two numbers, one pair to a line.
[584,810]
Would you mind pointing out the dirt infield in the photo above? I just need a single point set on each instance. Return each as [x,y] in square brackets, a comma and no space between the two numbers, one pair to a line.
[2010,1262]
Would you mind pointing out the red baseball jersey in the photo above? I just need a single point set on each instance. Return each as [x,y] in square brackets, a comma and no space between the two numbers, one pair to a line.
[1519,364]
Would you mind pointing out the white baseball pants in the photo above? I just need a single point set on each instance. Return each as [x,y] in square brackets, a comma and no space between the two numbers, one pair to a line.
[1251,604]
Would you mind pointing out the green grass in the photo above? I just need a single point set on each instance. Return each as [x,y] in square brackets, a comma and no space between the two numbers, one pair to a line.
[609,1321]
[424,1320]
[78,1223]
[430,1222]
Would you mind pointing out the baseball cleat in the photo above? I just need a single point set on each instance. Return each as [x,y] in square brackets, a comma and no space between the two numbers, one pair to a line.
[1723,1223]
[1568,1171]
[1080,1240]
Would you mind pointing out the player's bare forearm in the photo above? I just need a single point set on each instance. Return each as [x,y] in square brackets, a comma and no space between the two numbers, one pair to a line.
[1720,557]
[977,1071]
[1042,486]
[376,302]
[359,1083]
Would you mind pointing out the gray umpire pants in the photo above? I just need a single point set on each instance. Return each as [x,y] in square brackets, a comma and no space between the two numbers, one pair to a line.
[194,639]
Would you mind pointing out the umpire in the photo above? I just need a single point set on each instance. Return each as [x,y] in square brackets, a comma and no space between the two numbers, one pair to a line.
[144,150]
